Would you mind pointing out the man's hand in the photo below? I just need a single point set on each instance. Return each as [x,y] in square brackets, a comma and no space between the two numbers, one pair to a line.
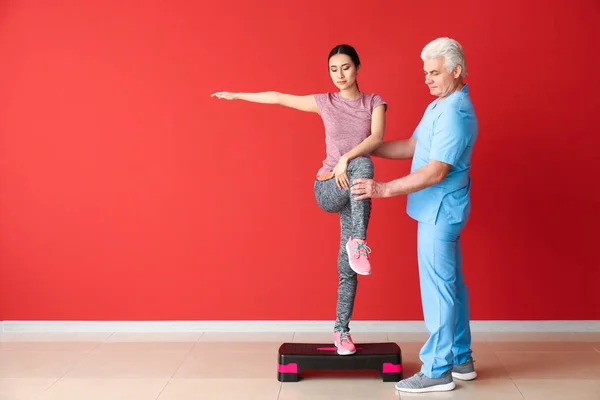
[368,188]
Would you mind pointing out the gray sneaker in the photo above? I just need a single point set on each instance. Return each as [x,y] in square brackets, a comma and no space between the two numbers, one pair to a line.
[464,372]
[419,383]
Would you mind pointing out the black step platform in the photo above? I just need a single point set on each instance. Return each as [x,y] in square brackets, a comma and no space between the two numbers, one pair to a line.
[386,358]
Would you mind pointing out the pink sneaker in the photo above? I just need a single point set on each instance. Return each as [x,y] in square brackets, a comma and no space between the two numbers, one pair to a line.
[344,344]
[358,256]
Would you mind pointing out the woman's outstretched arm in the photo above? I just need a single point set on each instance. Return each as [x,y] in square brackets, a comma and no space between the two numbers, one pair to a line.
[303,103]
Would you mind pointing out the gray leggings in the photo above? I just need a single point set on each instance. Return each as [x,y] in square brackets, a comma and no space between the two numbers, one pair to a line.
[354,219]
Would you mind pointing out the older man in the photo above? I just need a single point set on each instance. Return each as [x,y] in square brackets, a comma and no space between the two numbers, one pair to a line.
[438,190]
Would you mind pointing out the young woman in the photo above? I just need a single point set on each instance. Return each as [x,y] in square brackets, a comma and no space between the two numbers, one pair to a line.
[354,125]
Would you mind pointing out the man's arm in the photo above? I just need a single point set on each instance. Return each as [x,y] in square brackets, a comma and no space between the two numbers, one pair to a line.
[432,173]
[397,149]
[450,139]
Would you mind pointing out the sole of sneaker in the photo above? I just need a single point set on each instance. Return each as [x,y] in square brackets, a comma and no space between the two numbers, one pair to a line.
[469,376]
[344,352]
[437,388]
[350,262]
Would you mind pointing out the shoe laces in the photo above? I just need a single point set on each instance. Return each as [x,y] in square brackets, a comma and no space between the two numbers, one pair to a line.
[362,250]
[344,336]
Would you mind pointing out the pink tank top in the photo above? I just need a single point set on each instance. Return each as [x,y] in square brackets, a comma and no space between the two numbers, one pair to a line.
[347,123]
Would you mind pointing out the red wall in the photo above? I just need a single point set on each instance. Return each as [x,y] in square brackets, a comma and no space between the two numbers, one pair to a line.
[127,193]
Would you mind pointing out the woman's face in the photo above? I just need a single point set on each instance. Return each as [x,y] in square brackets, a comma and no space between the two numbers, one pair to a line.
[343,71]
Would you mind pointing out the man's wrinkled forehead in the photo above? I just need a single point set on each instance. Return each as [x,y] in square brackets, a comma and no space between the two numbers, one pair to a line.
[433,65]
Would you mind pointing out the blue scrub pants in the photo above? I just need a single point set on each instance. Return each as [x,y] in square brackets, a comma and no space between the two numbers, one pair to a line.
[444,297]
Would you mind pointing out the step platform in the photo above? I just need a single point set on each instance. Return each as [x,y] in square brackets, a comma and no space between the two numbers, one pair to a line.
[386,358]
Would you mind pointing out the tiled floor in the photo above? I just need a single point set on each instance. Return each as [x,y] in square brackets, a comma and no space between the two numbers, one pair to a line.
[196,366]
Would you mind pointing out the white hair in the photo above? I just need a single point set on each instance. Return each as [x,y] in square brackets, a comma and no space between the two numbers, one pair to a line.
[448,48]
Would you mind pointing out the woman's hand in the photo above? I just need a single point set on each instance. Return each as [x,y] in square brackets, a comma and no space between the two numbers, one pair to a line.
[225,95]
[341,178]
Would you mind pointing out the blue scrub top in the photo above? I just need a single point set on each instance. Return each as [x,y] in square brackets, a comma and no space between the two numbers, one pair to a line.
[446,133]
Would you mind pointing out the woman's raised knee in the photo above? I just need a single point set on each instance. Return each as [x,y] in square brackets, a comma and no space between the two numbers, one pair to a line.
[361,167]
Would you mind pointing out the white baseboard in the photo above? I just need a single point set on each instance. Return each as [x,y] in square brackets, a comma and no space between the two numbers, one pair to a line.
[286,326]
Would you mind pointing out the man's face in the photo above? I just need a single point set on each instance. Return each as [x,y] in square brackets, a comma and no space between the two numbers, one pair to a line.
[441,83]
